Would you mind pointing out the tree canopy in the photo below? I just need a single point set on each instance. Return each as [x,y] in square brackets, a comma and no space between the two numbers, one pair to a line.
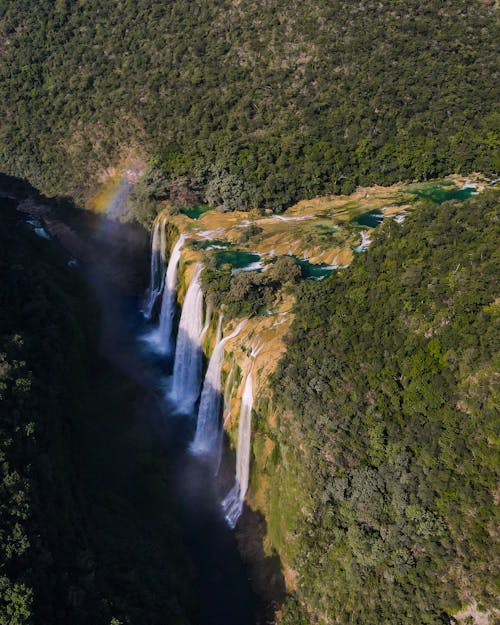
[248,104]
[384,498]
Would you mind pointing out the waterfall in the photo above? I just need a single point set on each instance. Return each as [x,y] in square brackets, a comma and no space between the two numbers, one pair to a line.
[186,378]
[365,242]
[209,429]
[162,336]
[233,502]
[157,271]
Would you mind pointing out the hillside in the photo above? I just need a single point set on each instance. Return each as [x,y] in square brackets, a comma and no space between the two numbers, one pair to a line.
[387,396]
[246,105]
[83,502]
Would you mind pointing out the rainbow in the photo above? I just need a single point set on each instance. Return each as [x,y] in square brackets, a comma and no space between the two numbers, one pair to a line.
[109,199]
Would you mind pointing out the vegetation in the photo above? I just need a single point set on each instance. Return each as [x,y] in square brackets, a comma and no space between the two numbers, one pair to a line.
[246,104]
[382,477]
[383,501]
[87,531]
[248,293]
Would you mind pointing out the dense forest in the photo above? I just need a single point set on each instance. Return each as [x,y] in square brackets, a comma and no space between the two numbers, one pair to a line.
[88,533]
[379,489]
[387,465]
[245,104]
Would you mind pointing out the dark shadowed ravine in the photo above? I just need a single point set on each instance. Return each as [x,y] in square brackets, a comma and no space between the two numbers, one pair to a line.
[111,259]
[225,596]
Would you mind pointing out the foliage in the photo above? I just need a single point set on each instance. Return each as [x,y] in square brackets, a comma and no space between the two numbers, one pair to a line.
[79,478]
[249,232]
[247,104]
[248,293]
[384,499]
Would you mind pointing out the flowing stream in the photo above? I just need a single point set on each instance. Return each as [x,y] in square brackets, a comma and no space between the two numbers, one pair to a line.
[365,242]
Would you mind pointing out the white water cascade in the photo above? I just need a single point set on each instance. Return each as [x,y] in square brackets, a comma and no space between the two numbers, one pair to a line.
[365,242]
[233,502]
[209,429]
[157,271]
[186,378]
[161,337]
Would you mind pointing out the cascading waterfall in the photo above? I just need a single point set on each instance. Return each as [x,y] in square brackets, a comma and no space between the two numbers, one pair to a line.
[157,271]
[186,378]
[208,317]
[365,242]
[162,336]
[233,502]
[209,429]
